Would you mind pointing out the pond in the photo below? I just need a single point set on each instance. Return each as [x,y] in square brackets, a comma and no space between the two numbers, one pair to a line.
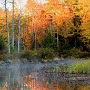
[40,76]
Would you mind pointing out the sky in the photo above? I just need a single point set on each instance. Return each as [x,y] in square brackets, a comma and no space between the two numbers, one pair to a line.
[41,1]
[23,2]
[9,4]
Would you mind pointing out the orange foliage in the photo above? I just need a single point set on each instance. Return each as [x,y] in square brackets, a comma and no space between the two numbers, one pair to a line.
[57,87]
[37,18]
[38,21]
[2,23]
[42,16]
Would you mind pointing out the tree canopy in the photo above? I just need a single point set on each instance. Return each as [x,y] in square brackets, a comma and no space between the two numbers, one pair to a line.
[66,20]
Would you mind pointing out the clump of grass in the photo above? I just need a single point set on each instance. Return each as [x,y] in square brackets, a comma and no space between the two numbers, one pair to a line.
[57,69]
[80,67]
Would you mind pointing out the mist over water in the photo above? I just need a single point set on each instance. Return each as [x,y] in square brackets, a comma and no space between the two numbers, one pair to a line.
[32,75]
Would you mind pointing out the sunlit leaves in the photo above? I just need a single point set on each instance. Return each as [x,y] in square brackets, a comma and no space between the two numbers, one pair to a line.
[67,17]
[2,23]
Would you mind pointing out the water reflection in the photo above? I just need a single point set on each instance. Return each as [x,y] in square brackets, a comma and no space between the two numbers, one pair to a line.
[71,86]
[31,83]
[29,78]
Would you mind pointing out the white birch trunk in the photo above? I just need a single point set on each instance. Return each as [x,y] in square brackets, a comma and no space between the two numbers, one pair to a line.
[13,26]
[19,29]
[7,29]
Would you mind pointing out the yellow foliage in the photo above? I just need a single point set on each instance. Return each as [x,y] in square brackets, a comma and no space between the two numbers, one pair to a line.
[84,88]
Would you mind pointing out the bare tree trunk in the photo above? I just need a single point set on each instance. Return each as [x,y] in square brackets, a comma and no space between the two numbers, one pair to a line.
[19,29]
[57,39]
[51,28]
[51,32]
[34,33]
[13,26]
[7,29]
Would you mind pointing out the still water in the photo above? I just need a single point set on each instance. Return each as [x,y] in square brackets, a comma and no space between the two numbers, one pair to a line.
[34,76]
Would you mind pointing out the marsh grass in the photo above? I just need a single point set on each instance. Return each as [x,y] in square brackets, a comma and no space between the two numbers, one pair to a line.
[80,67]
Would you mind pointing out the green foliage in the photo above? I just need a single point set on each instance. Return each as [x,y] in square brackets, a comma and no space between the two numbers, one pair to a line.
[2,43]
[75,3]
[46,53]
[2,57]
[80,67]
[49,41]
[76,53]
[61,68]
[73,53]
[64,47]
[41,54]
[69,53]
[85,54]
[26,54]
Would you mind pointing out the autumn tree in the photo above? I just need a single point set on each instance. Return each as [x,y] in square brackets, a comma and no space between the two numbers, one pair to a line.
[2,24]
[82,10]
[36,23]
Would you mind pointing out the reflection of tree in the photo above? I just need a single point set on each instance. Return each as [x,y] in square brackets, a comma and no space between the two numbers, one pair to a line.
[3,78]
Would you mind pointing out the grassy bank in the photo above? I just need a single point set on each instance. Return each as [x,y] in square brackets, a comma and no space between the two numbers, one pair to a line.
[42,54]
[80,67]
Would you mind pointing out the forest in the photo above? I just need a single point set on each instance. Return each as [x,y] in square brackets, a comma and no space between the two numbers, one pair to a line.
[45,30]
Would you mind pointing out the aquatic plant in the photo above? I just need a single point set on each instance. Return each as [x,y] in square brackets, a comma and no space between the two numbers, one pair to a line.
[80,67]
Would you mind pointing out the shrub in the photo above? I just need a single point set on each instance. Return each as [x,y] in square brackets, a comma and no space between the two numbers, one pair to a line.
[85,54]
[26,54]
[46,53]
[39,54]
[2,44]
[5,57]
[2,57]
[74,53]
